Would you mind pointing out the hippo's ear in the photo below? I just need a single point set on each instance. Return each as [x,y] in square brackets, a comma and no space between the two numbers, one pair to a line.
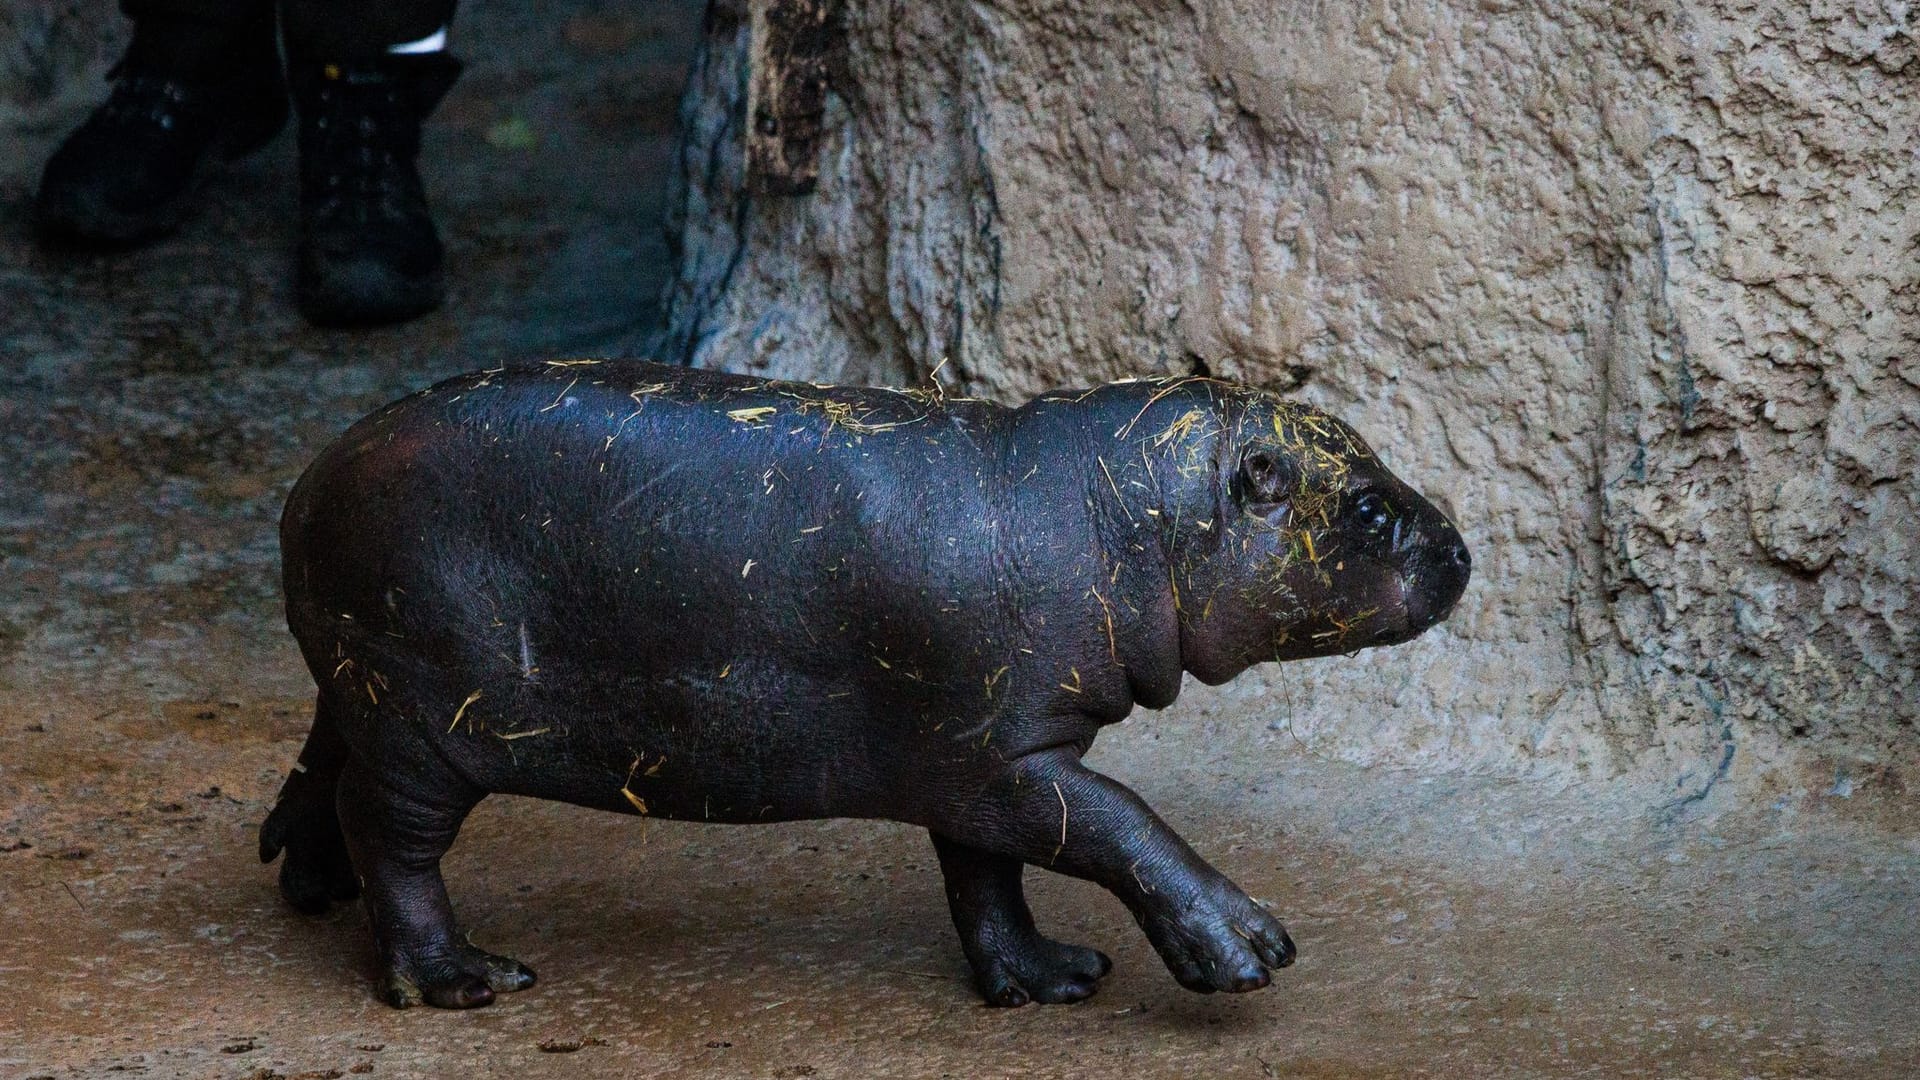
[1266,479]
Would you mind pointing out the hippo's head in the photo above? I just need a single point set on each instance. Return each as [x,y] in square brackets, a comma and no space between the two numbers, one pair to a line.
[1317,548]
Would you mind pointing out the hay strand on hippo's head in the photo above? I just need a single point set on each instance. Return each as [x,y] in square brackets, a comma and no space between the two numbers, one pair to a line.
[1316,547]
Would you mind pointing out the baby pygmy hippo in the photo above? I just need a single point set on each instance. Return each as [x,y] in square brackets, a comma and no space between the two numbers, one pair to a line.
[703,596]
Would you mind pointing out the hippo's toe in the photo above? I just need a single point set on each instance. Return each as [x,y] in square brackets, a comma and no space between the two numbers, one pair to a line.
[1226,943]
[466,977]
[1042,970]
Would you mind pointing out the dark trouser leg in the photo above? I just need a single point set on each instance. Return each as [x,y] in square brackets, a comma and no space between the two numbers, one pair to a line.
[1012,962]
[199,38]
[1049,810]
[191,35]
[396,838]
[336,30]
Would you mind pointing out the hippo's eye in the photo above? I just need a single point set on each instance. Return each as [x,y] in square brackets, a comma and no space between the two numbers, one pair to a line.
[1370,511]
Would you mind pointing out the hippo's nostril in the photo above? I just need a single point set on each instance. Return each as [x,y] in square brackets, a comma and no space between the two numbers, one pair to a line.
[1457,554]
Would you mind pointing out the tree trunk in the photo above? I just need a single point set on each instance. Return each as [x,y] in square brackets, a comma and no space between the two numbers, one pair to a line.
[1632,288]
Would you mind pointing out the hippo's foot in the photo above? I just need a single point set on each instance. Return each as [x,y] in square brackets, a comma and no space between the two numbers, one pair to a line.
[396,835]
[305,825]
[1013,963]
[1034,968]
[463,977]
[317,871]
[1223,941]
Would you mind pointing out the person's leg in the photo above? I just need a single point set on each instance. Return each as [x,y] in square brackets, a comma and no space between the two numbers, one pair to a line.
[355,30]
[365,76]
[193,37]
[200,81]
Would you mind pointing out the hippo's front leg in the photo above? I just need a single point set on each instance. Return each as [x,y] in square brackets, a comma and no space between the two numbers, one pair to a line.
[1053,812]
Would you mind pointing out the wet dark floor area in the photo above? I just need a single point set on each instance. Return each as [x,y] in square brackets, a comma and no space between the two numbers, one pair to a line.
[156,406]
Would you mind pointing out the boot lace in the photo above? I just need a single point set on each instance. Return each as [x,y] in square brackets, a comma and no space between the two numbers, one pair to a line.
[146,101]
[359,141]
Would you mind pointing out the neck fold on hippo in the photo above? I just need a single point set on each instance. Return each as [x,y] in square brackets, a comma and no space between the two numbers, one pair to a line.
[1134,477]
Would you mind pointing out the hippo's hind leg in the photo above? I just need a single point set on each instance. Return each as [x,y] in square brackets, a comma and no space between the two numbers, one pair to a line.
[397,827]
[1013,963]
[304,825]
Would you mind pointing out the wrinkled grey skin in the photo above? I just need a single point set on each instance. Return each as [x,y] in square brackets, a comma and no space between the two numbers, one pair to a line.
[693,595]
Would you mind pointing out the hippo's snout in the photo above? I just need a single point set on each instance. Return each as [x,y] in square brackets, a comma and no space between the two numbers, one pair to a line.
[1438,584]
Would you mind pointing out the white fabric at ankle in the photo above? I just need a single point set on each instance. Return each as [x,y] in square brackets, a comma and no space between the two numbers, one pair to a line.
[434,42]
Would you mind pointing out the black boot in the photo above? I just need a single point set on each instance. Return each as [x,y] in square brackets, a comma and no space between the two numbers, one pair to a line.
[369,253]
[124,176]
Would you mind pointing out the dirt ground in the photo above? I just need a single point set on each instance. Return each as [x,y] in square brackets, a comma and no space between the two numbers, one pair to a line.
[154,409]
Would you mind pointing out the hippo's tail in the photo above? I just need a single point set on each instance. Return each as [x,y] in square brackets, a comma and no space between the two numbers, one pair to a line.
[305,824]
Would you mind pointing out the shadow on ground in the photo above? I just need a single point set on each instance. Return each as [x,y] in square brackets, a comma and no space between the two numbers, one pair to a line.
[156,407]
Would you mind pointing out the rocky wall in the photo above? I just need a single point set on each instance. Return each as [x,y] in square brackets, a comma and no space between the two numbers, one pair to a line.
[1632,288]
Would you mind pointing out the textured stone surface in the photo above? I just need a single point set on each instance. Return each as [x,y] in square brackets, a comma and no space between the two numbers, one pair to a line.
[1634,285]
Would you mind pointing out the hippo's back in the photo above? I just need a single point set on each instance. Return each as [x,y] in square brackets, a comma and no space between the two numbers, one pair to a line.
[590,463]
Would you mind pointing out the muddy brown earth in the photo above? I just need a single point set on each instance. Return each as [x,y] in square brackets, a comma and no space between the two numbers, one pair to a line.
[156,406]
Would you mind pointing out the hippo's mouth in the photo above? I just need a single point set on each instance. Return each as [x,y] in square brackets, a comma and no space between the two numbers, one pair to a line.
[1429,601]
[1393,633]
